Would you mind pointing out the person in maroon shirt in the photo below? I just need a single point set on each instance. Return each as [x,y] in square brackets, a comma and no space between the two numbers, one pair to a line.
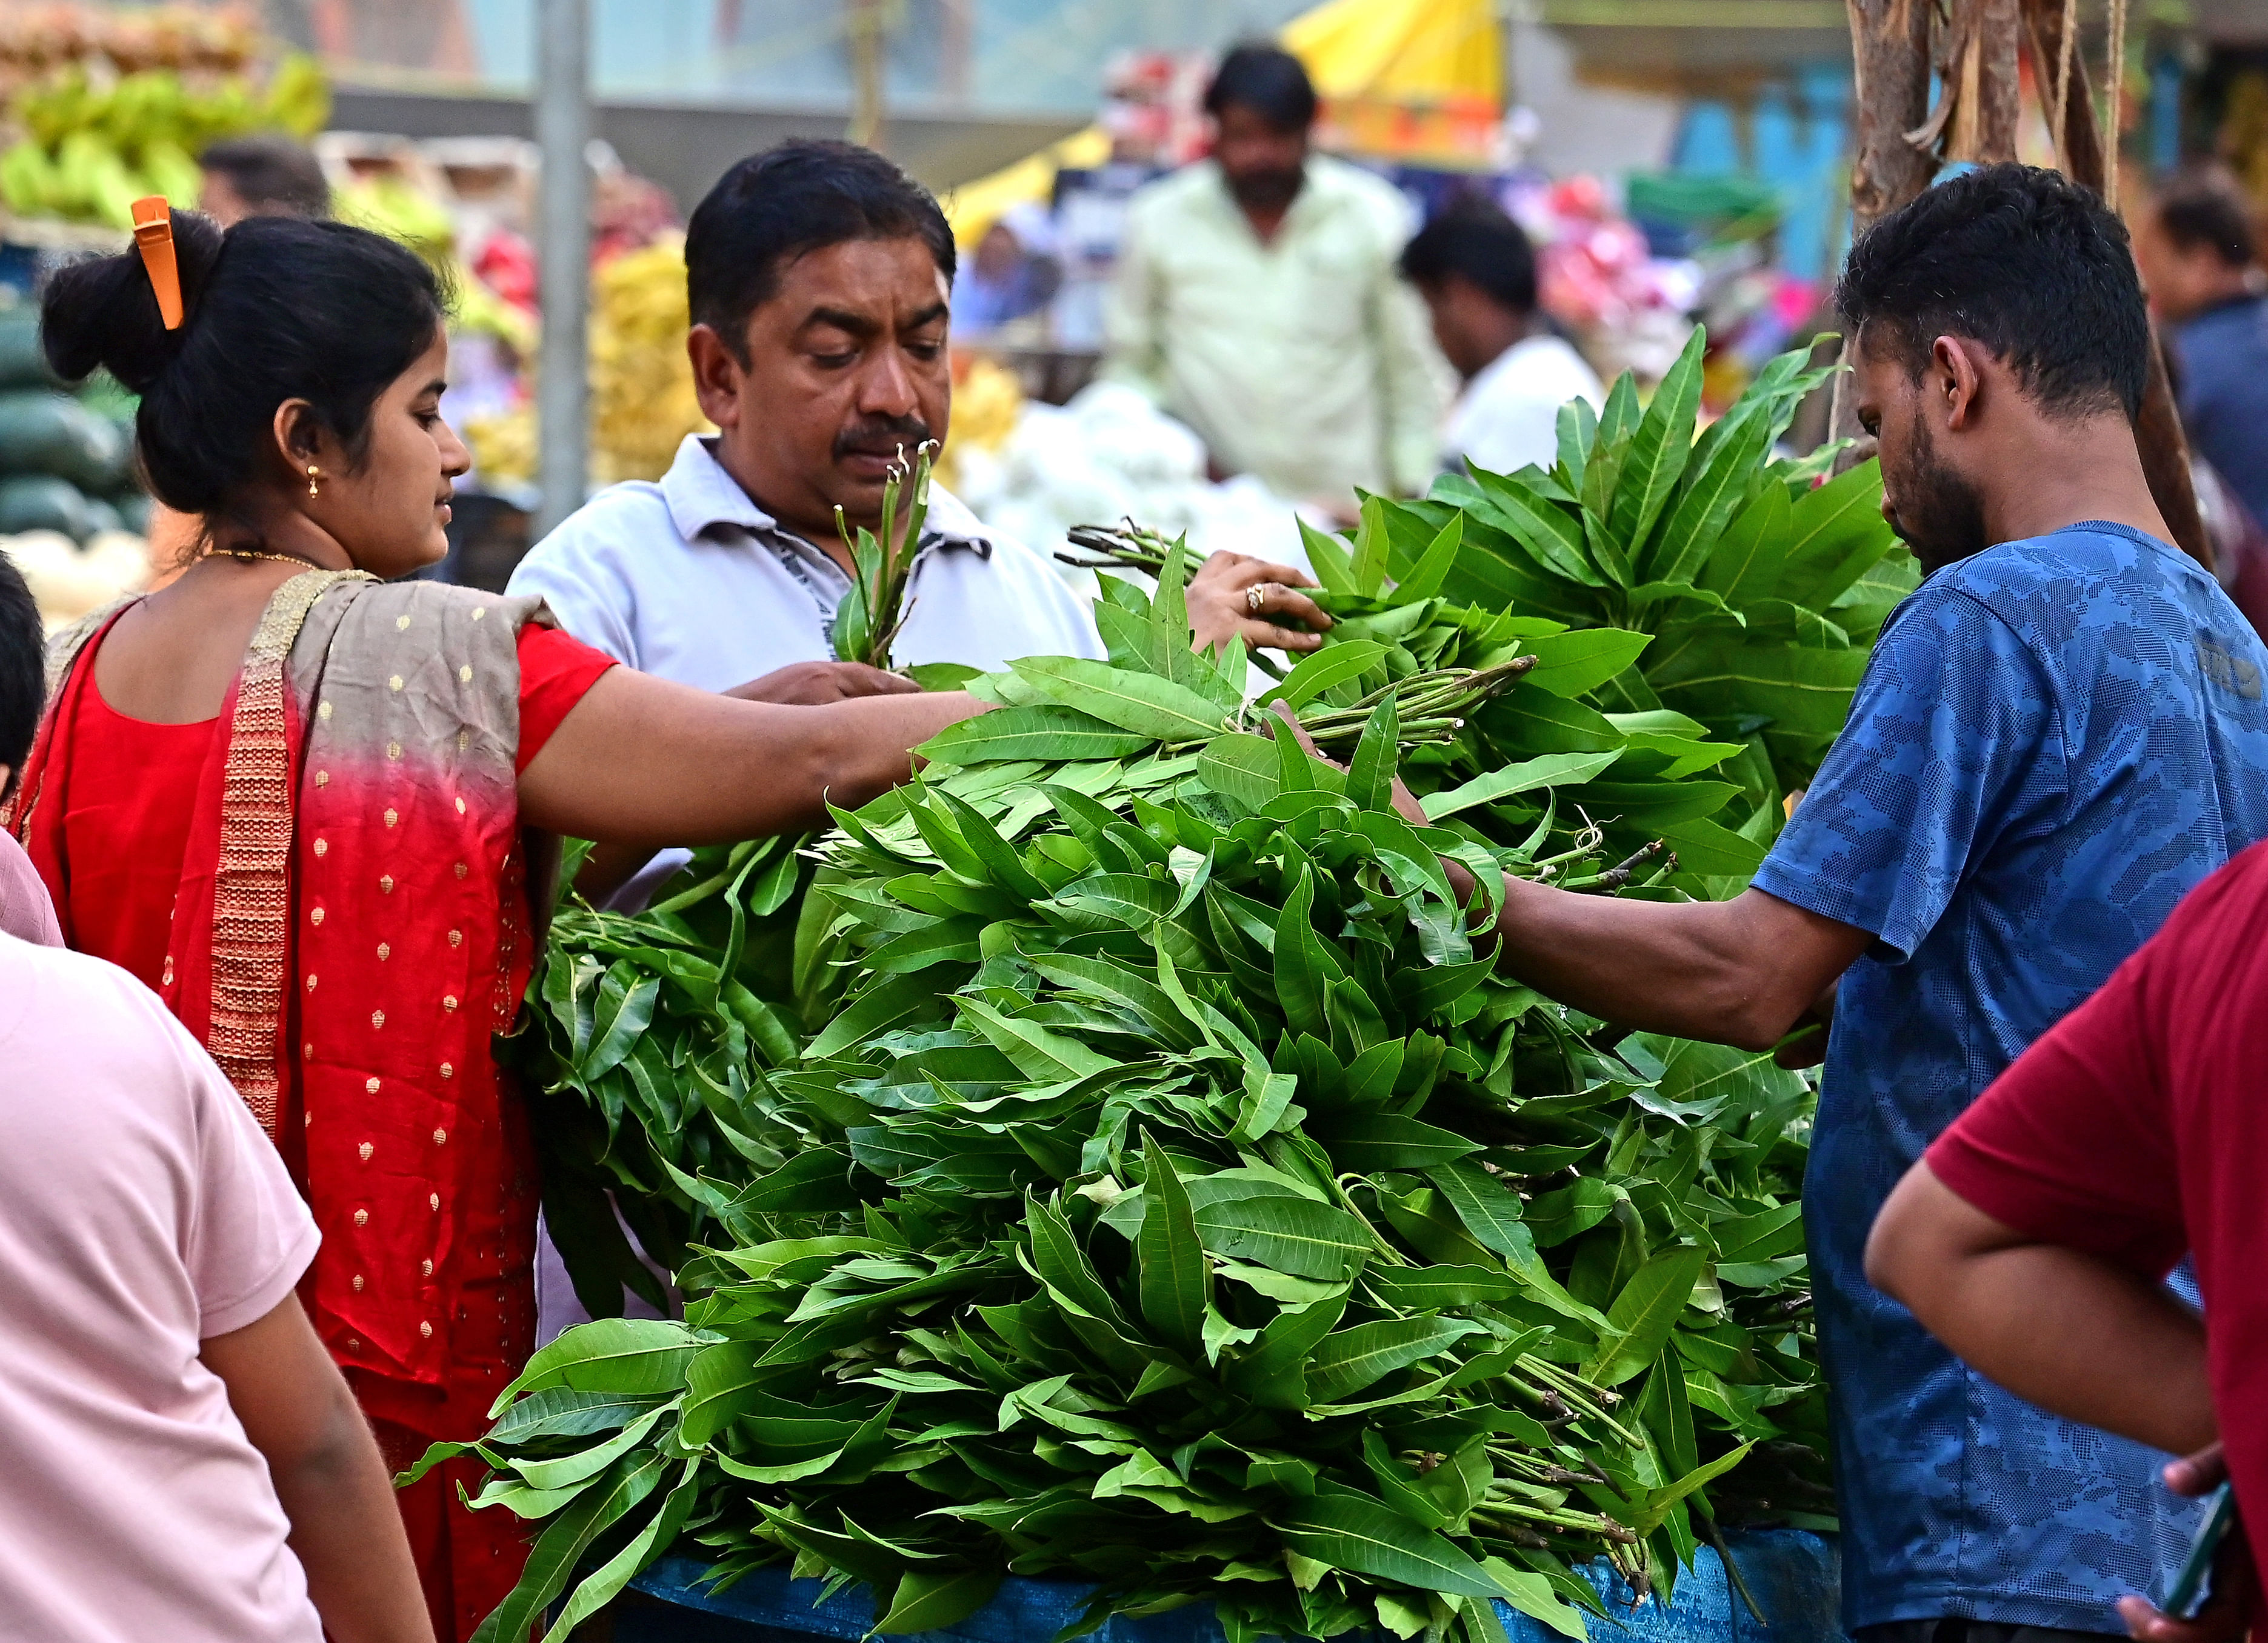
[2033,1236]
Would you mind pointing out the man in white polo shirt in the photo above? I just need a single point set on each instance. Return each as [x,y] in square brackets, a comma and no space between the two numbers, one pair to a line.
[820,277]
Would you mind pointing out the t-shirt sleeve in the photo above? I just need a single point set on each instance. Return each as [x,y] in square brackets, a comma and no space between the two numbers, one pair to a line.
[2073,1144]
[557,670]
[1953,720]
[250,1236]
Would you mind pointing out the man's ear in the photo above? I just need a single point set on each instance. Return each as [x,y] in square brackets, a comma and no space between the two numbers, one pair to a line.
[717,373]
[1955,382]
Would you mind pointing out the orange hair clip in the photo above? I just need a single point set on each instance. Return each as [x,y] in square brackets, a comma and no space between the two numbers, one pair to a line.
[153,238]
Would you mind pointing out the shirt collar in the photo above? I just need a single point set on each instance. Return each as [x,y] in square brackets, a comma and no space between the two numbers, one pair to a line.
[701,496]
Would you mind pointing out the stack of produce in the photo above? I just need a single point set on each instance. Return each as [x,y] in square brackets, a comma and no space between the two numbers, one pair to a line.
[66,458]
[642,400]
[91,144]
[1116,1160]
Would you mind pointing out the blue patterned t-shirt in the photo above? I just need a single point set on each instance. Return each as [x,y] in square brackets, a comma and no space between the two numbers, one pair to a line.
[2055,739]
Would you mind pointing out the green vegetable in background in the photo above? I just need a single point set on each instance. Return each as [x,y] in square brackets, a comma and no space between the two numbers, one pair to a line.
[1168,1197]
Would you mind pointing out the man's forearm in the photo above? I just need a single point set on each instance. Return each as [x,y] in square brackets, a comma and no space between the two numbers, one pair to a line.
[1739,972]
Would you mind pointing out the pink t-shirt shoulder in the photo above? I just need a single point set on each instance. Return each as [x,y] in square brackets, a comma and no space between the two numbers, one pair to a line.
[141,1210]
[25,912]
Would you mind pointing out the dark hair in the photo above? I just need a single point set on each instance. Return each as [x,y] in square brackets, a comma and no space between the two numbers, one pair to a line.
[1267,79]
[1475,240]
[271,175]
[23,671]
[794,198]
[277,308]
[2023,261]
[2202,205]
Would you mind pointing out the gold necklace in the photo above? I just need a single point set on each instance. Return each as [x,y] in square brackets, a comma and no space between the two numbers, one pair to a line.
[246,556]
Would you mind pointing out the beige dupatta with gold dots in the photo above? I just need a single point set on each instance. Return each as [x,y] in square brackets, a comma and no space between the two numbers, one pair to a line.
[353,924]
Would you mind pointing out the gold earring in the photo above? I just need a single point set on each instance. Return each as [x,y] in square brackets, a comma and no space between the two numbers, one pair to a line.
[312,472]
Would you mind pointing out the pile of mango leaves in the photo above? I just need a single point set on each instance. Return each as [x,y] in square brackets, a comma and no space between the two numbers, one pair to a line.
[1763,589]
[1168,1197]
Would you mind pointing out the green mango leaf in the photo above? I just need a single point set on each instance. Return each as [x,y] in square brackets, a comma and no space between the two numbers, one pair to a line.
[1368,570]
[933,1600]
[1280,1229]
[1551,770]
[1176,1279]
[1573,663]
[1836,532]
[1433,566]
[1326,555]
[1139,703]
[1040,1054]
[1533,1596]
[1659,445]
[1335,663]
[1744,564]
[1548,533]
[1346,1531]
[1641,1317]
[1363,1143]
[1047,732]
[631,1356]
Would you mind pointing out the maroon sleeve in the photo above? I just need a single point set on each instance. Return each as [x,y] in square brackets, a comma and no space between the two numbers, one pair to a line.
[556,669]
[2073,1145]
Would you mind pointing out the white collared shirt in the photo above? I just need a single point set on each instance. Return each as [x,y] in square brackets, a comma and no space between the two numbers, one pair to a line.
[1508,415]
[689,579]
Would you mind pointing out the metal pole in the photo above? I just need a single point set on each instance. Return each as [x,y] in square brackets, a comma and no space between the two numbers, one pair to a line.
[563,131]
[863,23]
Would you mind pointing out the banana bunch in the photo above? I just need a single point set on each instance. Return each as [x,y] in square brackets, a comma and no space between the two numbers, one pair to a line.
[90,149]
[642,400]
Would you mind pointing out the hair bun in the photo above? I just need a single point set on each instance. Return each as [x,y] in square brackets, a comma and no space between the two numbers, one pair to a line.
[102,311]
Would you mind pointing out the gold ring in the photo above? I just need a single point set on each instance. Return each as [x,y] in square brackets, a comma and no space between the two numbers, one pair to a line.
[1256,596]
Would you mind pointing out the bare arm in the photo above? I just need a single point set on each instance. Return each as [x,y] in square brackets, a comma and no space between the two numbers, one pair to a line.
[296,1409]
[639,759]
[2080,1336]
[1742,972]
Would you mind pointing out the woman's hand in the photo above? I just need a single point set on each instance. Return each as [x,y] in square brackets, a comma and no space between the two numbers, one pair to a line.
[1233,594]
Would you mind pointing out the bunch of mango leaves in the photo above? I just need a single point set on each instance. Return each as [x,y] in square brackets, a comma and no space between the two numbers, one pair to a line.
[1170,1197]
[1762,588]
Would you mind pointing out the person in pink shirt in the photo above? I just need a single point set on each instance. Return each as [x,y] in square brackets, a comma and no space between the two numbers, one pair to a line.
[25,910]
[178,1457]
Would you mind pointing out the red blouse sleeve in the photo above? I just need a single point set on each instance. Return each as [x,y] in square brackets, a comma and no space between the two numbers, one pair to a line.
[555,668]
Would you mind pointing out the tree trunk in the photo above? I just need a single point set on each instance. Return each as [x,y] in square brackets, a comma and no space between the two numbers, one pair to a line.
[1890,54]
[2157,425]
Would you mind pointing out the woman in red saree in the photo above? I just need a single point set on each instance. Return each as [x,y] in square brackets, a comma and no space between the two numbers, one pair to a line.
[309,806]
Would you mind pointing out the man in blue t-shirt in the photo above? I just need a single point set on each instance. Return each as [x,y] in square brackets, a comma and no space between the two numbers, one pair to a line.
[2059,734]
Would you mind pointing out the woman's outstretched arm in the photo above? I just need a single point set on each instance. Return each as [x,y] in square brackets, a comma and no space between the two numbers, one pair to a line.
[642,760]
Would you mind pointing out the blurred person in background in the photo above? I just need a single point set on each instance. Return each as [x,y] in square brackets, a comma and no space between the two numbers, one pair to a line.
[265,176]
[1014,273]
[1257,299]
[1475,268]
[2196,246]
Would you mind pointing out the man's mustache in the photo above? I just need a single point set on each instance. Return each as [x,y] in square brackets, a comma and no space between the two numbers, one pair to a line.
[882,436]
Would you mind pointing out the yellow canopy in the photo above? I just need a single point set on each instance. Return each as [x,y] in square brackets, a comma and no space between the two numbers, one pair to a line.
[1398,51]
[1355,51]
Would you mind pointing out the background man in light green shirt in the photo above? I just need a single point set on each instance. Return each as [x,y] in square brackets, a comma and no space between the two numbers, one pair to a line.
[1257,300]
